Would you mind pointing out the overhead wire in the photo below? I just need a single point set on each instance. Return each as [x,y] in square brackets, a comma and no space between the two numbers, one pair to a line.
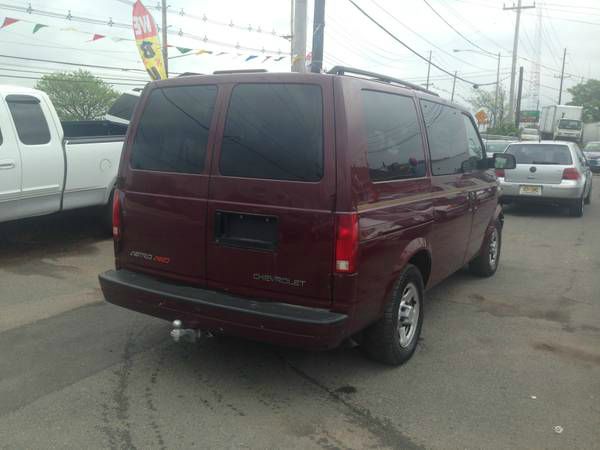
[419,35]
[205,19]
[455,30]
[395,38]
[111,23]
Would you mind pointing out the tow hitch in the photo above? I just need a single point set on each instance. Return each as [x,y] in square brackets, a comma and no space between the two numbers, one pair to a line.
[188,334]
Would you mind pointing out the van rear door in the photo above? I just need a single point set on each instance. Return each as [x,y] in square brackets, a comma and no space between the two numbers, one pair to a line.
[164,183]
[270,211]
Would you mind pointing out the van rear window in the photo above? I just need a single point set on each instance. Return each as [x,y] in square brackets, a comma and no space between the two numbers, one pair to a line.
[173,131]
[274,131]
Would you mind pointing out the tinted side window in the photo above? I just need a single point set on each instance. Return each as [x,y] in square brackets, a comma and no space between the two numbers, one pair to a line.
[446,136]
[173,131]
[473,142]
[29,119]
[395,148]
[274,131]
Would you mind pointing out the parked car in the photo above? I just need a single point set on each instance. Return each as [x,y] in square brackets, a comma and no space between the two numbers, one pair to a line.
[592,154]
[548,172]
[48,166]
[492,147]
[300,209]
[530,134]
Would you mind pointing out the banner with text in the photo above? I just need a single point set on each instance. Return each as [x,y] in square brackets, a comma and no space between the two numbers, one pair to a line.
[148,44]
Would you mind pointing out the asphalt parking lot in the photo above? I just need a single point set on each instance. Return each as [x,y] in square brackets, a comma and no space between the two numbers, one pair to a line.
[502,361]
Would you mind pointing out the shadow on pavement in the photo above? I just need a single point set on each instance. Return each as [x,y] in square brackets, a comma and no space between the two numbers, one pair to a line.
[56,233]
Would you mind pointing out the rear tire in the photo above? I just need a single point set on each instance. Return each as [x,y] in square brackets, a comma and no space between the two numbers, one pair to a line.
[576,208]
[588,198]
[393,339]
[486,262]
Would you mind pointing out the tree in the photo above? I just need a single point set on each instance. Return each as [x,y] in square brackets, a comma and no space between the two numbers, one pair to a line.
[485,100]
[587,95]
[78,95]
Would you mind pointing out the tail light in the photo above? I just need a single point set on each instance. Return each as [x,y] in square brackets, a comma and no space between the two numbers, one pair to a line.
[116,215]
[571,173]
[500,173]
[346,243]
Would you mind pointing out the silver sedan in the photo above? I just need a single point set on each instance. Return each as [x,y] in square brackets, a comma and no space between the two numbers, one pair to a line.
[547,172]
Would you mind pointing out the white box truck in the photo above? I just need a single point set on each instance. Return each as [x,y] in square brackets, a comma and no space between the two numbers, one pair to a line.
[561,122]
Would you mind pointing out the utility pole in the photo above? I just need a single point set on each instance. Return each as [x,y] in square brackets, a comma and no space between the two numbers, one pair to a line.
[513,69]
[299,37]
[453,86]
[497,93]
[165,48]
[519,94]
[428,70]
[562,76]
[318,37]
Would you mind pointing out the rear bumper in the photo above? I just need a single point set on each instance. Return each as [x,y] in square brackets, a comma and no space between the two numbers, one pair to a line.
[278,323]
[566,191]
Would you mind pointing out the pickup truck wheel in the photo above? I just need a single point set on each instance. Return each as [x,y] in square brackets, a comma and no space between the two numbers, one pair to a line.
[576,208]
[393,339]
[486,262]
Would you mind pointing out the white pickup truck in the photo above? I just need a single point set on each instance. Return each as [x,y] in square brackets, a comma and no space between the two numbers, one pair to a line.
[47,166]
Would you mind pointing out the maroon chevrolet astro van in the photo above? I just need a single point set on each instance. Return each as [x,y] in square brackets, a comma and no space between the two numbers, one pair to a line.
[300,209]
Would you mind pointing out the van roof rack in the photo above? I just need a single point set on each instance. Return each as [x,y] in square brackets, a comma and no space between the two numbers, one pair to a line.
[343,70]
[221,72]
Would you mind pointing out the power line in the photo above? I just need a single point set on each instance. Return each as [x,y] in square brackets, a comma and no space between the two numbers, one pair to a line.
[111,23]
[74,81]
[51,72]
[411,49]
[424,38]
[456,31]
[205,19]
[67,63]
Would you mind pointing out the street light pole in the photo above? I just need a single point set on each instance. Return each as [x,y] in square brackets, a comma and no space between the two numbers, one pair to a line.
[165,45]
[497,93]
[453,86]
[428,70]
[562,77]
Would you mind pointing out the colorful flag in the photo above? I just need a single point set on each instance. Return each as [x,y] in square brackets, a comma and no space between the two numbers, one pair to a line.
[8,21]
[184,50]
[251,57]
[146,38]
[38,27]
[96,37]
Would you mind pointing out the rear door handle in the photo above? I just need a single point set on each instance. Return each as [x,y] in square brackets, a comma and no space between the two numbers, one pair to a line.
[6,165]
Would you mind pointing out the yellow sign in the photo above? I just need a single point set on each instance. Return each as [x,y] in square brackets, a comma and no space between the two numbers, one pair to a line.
[481,117]
[146,39]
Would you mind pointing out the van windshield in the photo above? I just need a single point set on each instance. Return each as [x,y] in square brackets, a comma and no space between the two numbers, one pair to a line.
[569,124]
[541,154]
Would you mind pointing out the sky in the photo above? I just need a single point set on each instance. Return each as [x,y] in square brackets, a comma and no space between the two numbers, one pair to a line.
[235,30]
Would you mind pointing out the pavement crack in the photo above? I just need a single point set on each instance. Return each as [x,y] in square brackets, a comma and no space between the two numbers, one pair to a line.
[383,429]
[149,397]
[119,434]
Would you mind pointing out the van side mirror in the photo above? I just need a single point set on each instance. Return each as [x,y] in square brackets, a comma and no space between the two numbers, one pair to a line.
[504,161]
